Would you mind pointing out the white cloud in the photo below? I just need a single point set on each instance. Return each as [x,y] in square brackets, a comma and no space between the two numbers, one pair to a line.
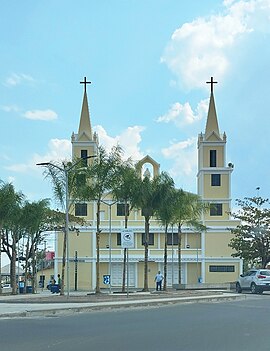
[10,108]
[184,157]
[129,140]
[41,115]
[200,49]
[58,150]
[182,115]
[16,79]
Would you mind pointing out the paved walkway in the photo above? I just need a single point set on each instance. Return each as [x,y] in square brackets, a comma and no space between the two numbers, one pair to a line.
[46,304]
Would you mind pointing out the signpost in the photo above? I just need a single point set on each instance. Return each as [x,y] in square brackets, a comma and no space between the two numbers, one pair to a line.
[127,242]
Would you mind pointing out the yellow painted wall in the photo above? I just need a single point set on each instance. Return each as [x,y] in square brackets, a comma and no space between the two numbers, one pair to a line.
[221,277]
[225,214]
[220,155]
[152,271]
[194,240]
[193,272]
[216,192]
[216,244]
[81,243]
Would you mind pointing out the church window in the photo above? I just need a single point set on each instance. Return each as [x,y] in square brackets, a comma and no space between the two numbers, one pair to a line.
[213,158]
[222,269]
[121,209]
[80,209]
[151,239]
[215,179]
[118,239]
[215,209]
[172,239]
[83,156]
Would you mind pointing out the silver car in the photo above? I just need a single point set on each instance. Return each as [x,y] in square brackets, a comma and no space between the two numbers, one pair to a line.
[255,280]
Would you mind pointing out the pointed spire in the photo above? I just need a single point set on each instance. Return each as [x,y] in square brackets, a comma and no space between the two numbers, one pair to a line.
[212,122]
[85,124]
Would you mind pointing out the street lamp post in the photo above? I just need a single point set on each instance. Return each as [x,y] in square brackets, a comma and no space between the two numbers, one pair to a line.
[66,170]
[43,258]
[110,204]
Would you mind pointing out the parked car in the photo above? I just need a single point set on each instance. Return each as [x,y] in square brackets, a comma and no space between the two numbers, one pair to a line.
[255,280]
[6,286]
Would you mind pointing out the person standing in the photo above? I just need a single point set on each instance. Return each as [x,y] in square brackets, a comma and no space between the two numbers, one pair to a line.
[59,282]
[158,279]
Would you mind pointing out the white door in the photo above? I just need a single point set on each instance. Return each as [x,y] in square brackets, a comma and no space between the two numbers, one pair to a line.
[172,272]
[117,274]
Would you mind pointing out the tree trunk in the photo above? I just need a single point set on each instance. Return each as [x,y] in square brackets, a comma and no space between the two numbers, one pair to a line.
[165,258]
[98,249]
[62,289]
[13,268]
[146,243]
[125,253]
[179,255]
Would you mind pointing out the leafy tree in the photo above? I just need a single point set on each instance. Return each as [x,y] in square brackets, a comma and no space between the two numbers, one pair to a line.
[147,197]
[99,179]
[165,214]
[63,177]
[188,211]
[252,236]
[10,207]
[35,220]
[123,190]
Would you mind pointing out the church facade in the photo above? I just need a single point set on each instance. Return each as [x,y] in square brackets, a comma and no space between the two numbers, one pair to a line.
[206,256]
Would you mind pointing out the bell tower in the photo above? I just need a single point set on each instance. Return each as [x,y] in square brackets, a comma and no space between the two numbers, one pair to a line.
[214,176]
[85,142]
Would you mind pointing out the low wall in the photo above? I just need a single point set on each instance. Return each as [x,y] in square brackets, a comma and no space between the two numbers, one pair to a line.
[206,286]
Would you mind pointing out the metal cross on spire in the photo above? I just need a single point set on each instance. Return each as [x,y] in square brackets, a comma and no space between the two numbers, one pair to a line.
[85,82]
[212,84]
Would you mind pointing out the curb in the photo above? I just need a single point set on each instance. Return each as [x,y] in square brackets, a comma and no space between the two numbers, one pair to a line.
[110,306]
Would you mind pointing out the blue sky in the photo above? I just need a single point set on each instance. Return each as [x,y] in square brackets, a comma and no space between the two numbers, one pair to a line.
[148,61]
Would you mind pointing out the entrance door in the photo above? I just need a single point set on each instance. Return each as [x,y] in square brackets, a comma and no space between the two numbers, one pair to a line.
[172,271]
[117,274]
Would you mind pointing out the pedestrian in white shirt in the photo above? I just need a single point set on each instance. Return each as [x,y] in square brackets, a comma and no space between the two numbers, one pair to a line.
[158,279]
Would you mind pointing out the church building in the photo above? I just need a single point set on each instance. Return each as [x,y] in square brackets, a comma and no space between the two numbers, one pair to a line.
[206,256]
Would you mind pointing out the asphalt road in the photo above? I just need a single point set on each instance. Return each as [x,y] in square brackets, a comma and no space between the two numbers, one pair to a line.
[239,325]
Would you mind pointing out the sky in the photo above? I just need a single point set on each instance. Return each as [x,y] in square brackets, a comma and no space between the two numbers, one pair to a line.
[148,61]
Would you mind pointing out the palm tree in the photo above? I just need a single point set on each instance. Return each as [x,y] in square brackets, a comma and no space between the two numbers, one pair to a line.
[123,190]
[100,177]
[147,196]
[188,210]
[165,215]
[60,176]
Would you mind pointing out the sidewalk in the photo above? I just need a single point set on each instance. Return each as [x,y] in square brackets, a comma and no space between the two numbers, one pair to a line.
[46,304]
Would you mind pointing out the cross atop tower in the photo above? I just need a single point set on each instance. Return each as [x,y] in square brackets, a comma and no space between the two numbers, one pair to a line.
[212,84]
[85,82]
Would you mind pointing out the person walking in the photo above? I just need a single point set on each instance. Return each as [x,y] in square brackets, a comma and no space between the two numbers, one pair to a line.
[158,279]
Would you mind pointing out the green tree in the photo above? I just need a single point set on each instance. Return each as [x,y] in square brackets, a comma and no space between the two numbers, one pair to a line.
[251,240]
[63,177]
[99,179]
[10,209]
[35,221]
[188,210]
[165,212]
[123,190]
[147,197]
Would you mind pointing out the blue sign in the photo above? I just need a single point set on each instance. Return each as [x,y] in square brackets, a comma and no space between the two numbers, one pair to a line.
[106,279]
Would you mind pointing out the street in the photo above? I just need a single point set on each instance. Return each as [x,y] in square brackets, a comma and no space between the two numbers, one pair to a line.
[238,325]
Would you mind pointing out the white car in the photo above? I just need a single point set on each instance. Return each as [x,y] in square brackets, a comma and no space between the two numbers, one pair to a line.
[255,280]
[6,286]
